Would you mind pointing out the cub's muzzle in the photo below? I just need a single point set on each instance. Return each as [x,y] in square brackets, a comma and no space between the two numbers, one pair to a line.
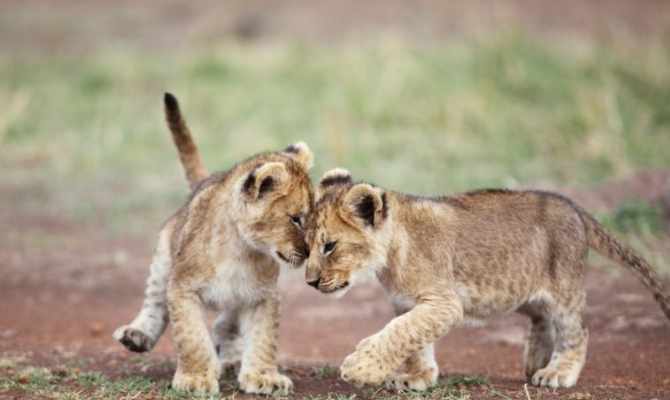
[315,283]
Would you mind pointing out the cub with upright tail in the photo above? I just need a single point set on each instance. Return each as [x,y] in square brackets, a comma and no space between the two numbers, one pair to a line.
[223,250]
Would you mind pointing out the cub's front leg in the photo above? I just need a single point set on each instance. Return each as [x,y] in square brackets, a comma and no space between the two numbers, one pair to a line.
[379,355]
[419,371]
[227,339]
[260,329]
[198,368]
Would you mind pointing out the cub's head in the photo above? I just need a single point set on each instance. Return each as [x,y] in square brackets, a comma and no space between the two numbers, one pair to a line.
[345,233]
[275,198]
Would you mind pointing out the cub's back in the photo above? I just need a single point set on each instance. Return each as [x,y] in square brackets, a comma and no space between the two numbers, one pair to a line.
[500,229]
[491,210]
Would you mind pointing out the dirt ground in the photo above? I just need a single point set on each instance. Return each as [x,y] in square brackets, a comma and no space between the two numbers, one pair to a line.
[66,286]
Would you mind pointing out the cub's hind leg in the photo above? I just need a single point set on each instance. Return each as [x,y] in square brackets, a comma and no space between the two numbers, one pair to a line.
[227,339]
[420,370]
[144,331]
[563,296]
[570,344]
[539,346]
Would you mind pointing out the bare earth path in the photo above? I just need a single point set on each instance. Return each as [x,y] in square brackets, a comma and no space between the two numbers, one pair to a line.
[65,287]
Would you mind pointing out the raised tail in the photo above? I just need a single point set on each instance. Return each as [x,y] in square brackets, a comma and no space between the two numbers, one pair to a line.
[188,152]
[605,244]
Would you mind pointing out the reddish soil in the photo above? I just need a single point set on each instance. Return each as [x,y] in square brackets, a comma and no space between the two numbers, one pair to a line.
[65,287]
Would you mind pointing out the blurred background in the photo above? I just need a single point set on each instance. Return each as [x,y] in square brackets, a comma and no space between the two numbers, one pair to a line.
[426,96]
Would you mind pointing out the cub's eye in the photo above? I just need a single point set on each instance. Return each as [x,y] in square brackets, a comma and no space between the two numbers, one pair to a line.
[329,247]
[296,220]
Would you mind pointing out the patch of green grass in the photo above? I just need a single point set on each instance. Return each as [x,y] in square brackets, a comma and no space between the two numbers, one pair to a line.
[503,111]
[457,387]
[91,379]
[497,394]
[635,218]
[639,225]
[325,371]
[31,379]
[332,396]
[466,380]
[71,384]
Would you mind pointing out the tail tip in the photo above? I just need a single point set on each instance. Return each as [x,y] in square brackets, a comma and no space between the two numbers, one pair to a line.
[170,101]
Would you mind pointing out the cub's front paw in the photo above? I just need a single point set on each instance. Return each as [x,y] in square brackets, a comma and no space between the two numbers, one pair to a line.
[133,339]
[418,381]
[555,378]
[364,367]
[204,384]
[265,382]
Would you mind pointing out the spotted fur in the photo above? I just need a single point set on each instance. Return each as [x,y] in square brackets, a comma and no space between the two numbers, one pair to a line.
[223,250]
[471,255]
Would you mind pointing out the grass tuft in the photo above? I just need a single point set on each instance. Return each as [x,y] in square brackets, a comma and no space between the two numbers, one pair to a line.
[325,371]
[466,380]
[637,218]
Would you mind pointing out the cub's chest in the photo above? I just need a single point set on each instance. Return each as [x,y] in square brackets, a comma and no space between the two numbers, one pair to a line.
[235,283]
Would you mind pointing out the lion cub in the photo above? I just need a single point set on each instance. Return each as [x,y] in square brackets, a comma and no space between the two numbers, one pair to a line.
[223,249]
[474,254]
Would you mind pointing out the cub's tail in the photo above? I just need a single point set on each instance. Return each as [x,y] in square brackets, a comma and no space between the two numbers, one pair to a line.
[605,244]
[188,152]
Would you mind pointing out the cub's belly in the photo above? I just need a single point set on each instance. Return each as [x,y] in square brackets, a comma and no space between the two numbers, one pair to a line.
[482,302]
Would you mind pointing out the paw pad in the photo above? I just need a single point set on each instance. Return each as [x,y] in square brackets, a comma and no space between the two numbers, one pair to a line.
[133,339]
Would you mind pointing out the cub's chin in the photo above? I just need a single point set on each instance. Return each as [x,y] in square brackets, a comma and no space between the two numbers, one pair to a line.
[357,277]
[338,292]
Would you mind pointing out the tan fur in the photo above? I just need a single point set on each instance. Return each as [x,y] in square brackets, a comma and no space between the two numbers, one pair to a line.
[223,250]
[441,259]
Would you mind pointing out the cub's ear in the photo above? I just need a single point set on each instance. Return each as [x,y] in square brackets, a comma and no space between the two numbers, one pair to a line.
[331,179]
[365,204]
[301,153]
[265,179]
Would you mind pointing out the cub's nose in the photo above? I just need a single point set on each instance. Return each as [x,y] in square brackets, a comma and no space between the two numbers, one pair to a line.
[314,284]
